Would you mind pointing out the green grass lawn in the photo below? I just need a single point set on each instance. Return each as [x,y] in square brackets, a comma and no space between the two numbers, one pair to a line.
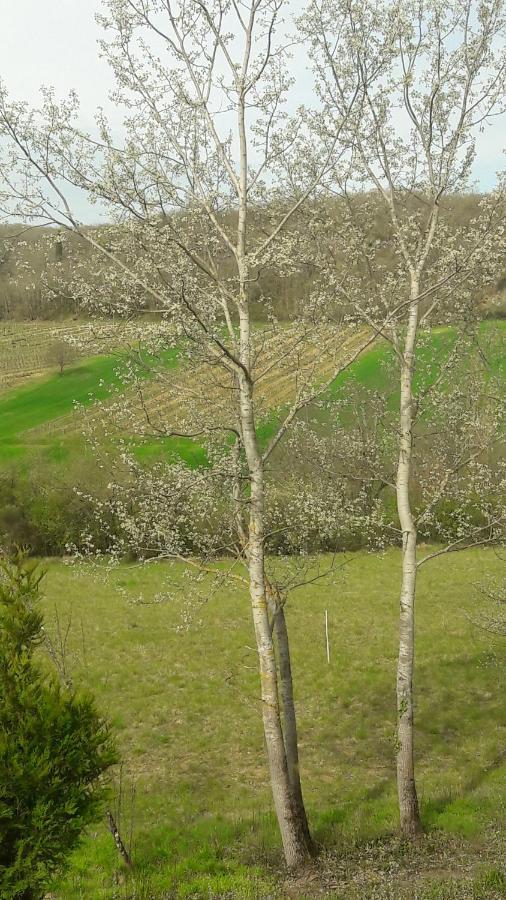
[183,699]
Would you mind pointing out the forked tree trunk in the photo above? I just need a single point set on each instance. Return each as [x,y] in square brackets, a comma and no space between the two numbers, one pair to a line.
[290,825]
[285,682]
[289,820]
[290,736]
[406,786]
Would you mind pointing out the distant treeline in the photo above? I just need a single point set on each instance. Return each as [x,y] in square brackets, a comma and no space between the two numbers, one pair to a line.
[40,267]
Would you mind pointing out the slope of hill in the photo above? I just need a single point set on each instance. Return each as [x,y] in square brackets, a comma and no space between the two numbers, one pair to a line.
[42,414]
[183,697]
[38,415]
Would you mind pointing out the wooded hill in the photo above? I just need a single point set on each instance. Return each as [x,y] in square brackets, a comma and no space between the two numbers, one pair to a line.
[41,268]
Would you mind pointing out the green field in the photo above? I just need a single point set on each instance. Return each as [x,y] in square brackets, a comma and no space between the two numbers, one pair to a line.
[36,404]
[55,396]
[371,370]
[44,403]
[184,704]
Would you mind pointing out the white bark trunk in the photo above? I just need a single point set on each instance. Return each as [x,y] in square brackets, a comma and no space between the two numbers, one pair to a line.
[406,786]
[290,735]
[283,666]
[290,825]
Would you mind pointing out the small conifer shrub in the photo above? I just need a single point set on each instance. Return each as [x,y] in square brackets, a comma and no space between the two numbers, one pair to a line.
[54,747]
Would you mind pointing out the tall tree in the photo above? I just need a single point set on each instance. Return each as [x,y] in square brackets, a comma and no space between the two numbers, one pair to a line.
[431,75]
[202,193]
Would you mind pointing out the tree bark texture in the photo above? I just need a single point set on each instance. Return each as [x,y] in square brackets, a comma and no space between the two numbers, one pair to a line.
[406,786]
[290,720]
[288,816]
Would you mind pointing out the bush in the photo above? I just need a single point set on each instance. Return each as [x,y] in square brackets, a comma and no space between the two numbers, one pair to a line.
[54,748]
[39,509]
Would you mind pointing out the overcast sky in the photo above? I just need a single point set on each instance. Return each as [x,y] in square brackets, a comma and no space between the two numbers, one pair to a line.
[54,42]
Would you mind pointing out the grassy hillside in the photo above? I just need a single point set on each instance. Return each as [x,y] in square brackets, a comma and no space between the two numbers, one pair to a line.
[53,398]
[47,405]
[371,369]
[184,703]
[40,415]
[29,406]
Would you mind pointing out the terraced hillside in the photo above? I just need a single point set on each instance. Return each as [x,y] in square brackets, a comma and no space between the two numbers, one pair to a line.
[25,346]
[172,396]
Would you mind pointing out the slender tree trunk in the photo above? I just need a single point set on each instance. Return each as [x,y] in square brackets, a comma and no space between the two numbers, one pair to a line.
[118,840]
[406,786]
[290,824]
[285,683]
[290,720]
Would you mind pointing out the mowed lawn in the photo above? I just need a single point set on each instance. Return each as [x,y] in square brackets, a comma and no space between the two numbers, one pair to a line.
[173,665]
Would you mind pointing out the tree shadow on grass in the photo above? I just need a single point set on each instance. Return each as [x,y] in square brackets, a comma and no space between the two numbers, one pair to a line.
[451,716]
[461,801]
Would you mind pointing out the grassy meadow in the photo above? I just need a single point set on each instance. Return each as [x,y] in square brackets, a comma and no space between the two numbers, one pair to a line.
[52,397]
[172,665]
[175,670]
[32,405]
